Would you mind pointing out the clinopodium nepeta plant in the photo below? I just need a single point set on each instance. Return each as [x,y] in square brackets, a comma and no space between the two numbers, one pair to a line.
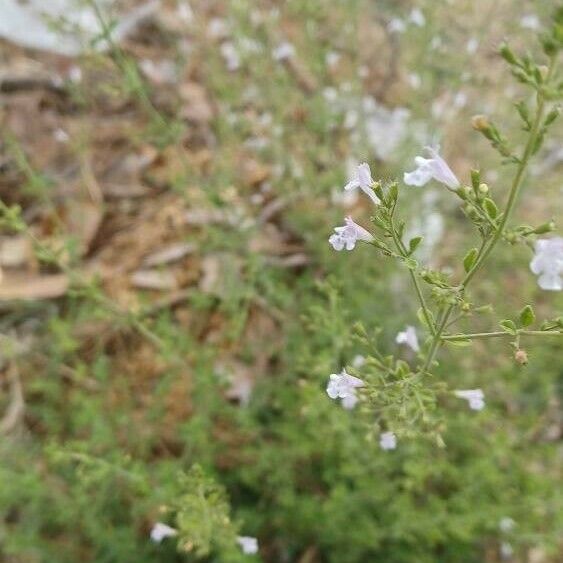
[404,397]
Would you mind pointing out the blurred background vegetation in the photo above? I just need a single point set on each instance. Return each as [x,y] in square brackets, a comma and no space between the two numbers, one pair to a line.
[172,312]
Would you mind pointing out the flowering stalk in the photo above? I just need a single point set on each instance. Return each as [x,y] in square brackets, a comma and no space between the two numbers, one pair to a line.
[401,395]
[486,249]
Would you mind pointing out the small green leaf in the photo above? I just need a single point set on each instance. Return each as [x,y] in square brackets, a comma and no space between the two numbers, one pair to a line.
[469,259]
[414,243]
[552,116]
[411,263]
[402,368]
[422,318]
[490,207]
[527,316]
[522,109]
[509,326]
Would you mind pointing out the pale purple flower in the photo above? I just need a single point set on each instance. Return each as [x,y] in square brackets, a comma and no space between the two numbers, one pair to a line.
[547,263]
[160,531]
[231,56]
[506,524]
[332,58]
[347,235]
[396,25]
[472,45]
[249,545]
[388,441]
[408,337]
[474,397]
[350,401]
[342,385]
[431,168]
[283,51]
[358,361]
[530,21]
[417,17]
[506,550]
[414,80]
[362,179]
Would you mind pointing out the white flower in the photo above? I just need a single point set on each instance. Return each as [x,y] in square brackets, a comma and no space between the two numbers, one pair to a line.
[160,531]
[332,58]
[547,263]
[436,42]
[342,385]
[283,51]
[506,524]
[475,398]
[248,544]
[358,361]
[506,550]
[414,80]
[60,135]
[428,168]
[396,25]
[231,56]
[408,337]
[472,45]
[362,179]
[347,235]
[460,100]
[417,17]
[530,21]
[388,441]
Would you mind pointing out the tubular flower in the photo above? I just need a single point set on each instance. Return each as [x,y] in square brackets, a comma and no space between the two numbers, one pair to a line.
[547,263]
[408,337]
[343,385]
[388,441]
[347,235]
[249,545]
[474,397]
[161,531]
[362,179]
[431,168]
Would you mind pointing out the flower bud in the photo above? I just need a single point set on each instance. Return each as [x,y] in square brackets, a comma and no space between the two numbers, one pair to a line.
[507,54]
[545,228]
[543,71]
[521,357]
[483,188]
[480,122]
[471,211]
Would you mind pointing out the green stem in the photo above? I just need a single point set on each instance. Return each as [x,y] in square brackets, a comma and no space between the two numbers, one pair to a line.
[403,252]
[499,334]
